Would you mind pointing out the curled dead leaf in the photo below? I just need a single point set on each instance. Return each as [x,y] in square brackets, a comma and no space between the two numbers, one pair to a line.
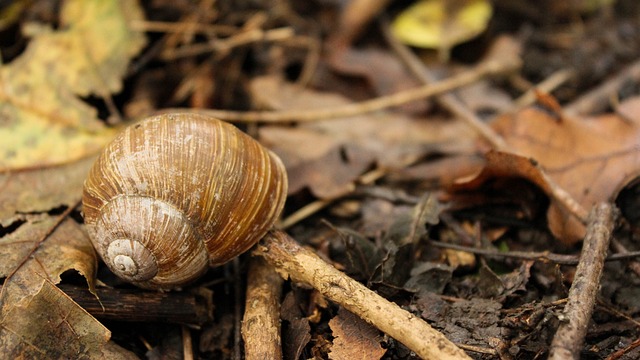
[591,159]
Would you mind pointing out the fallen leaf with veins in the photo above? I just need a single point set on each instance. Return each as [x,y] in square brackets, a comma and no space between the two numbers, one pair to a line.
[592,159]
[50,324]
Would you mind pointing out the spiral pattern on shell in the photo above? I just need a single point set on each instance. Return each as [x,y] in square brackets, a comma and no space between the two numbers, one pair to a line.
[175,194]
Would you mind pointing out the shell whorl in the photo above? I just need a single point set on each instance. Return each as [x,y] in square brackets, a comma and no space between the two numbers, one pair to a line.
[178,193]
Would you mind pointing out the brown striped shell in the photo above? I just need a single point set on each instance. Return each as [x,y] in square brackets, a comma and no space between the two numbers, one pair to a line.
[174,194]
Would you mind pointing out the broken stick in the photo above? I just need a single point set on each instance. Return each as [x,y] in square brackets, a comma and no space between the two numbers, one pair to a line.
[575,318]
[261,321]
[303,266]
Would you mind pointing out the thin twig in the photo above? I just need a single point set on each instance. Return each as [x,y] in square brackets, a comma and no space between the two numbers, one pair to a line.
[224,46]
[183,27]
[575,318]
[304,266]
[478,349]
[547,85]
[543,256]
[563,197]
[369,106]
[187,346]
[622,250]
[600,97]
[618,354]
[450,101]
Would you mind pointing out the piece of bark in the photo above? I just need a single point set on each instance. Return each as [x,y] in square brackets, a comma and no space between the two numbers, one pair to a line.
[143,306]
[575,318]
[304,266]
[261,322]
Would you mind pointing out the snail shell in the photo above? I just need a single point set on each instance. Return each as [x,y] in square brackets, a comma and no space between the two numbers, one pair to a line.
[175,194]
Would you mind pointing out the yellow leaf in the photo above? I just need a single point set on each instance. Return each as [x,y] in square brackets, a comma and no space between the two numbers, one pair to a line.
[442,24]
[43,120]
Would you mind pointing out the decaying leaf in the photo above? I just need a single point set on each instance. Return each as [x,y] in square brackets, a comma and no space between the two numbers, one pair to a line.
[34,260]
[353,338]
[429,277]
[389,262]
[492,285]
[471,322]
[50,325]
[591,159]
[40,190]
[401,240]
[40,90]
[30,295]
[361,255]
[25,203]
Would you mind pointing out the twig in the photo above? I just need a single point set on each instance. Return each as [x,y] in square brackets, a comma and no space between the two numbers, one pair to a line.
[547,85]
[261,323]
[622,250]
[369,106]
[237,310]
[134,305]
[569,338]
[182,27]
[618,354]
[187,346]
[600,97]
[478,349]
[224,46]
[303,266]
[562,196]
[543,256]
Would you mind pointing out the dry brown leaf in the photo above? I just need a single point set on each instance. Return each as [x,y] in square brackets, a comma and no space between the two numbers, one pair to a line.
[49,325]
[33,260]
[591,159]
[29,294]
[25,201]
[353,338]
[68,247]
[384,138]
[40,190]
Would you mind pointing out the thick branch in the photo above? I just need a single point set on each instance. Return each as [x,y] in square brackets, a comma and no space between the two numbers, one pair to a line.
[303,266]
[261,322]
[575,318]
